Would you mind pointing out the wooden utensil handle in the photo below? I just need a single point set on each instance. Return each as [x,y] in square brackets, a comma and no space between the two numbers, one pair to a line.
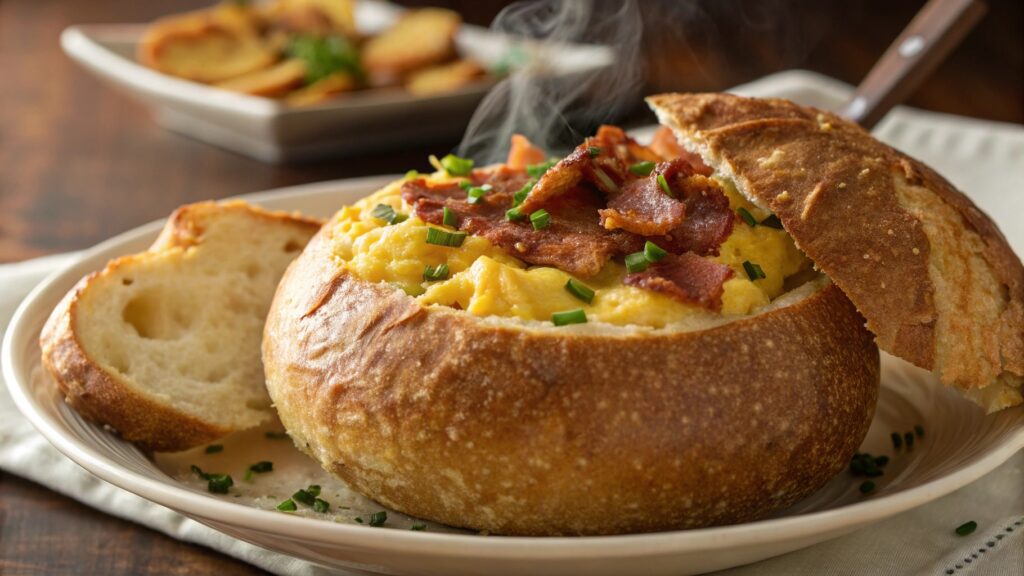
[932,34]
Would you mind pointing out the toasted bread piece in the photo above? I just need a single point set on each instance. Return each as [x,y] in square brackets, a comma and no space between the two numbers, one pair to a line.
[934,277]
[421,38]
[443,78]
[275,81]
[164,346]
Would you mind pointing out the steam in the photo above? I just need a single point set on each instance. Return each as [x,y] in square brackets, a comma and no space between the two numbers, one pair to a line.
[600,41]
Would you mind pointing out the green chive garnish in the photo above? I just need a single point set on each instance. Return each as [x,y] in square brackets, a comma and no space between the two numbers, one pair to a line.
[303,497]
[475,193]
[653,252]
[214,448]
[387,214]
[867,486]
[746,216]
[580,290]
[441,237]
[663,183]
[287,506]
[908,439]
[434,273]
[514,215]
[456,166]
[418,527]
[321,506]
[465,185]
[772,222]
[642,168]
[378,519]
[897,440]
[881,461]
[523,192]
[411,174]
[359,519]
[606,180]
[276,435]
[637,262]
[538,170]
[314,489]
[753,271]
[449,218]
[577,316]
[919,430]
[540,219]
[215,483]
[262,467]
[594,151]
[966,528]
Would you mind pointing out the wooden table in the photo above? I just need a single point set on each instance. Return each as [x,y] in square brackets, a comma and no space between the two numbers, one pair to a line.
[79,163]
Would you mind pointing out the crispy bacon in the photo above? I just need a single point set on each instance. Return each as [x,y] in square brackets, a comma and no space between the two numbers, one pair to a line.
[559,179]
[523,153]
[708,221]
[686,277]
[642,207]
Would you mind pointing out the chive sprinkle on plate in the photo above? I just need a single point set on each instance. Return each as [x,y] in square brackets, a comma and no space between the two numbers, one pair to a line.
[214,448]
[287,506]
[966,528]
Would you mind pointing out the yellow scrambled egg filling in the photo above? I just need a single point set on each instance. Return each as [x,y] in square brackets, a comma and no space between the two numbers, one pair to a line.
[486,281]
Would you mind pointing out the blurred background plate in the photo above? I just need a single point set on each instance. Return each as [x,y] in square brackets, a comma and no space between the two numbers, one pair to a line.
[357,123]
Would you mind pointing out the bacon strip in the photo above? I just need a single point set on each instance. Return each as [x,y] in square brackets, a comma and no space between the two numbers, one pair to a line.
[644,208]
[708,221]
[687,277]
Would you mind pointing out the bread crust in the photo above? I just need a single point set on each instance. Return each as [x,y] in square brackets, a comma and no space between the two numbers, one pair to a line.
[524,428]
[104,397]
[934,277]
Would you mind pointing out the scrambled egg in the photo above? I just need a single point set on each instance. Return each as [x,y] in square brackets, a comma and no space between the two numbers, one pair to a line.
[486,281]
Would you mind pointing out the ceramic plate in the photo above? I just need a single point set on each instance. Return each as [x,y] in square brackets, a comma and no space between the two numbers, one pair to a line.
[270,131]
[960,443]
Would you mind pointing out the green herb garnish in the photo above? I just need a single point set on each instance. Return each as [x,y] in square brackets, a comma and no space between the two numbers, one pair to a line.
[523,192]
[514,214]
[540,219]
[580,290]
[897,440]
[215,483]
[966,528]
[314,489]
[637,262]
[867,486]
[287,506]
[606,180]
[321,506]
[538,170]
[325,56]
[746,216]
[378,519]
[663,183]
[919,430]
[441,237]
[772,222]
[642,168]
[259,468]
[753,271]
[214,448]
[908,439]
[418,527]
[456,166]
[449,218]
[577,316]
[435,273]
[865,465]
[387,214]
[594,151]
[653,252]
[304,497]
[276,435]
[475,193]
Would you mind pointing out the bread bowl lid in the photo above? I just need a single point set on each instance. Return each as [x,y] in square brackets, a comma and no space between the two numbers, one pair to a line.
[934,278]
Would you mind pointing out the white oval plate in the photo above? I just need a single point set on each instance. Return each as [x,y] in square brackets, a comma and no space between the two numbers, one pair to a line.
[960,445]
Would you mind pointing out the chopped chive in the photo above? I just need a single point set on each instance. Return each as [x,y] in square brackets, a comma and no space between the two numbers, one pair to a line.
[441,237]
[637,262]
[580,290]
[449,218]
[663,183]
[465,185]
[966,528]
[262,467]
[577,316]
[642,168]
[475,193]
[304,497]
[653,252]
[387,214]
[249,474]
[359,519]
[523,192]
[514,214]
[538,170]
[412,174]
[897,440]
[594,151]
[919,430]
[867,486]
[746,216]
[321,506]
[772,222]
[881,461]
[378,519]
[418,527]
[456,166]
[215,483]
[606,180]
[434,273]
[314,489]
[908,439]
[287,506]
[276,435]
[753,271]
[214,448]
[540,219]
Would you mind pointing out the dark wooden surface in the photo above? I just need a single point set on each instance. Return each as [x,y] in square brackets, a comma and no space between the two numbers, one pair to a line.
[79,163]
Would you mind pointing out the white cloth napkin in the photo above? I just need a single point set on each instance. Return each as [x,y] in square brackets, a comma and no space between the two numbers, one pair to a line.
[921,541]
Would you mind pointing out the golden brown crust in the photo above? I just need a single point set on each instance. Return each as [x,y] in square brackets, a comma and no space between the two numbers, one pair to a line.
[104,397]
[516,428]
[935,279]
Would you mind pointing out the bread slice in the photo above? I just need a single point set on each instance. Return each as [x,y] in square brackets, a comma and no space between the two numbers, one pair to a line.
[934,277]
[164,346]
